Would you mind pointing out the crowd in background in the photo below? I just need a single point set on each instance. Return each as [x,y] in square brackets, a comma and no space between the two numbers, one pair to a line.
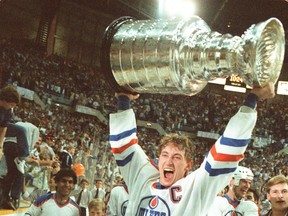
[21,64]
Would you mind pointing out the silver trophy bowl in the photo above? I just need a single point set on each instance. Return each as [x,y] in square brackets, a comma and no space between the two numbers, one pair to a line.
[181,56]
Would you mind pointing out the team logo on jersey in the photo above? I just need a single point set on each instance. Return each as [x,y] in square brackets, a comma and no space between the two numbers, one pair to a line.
[153,206]
[154,202]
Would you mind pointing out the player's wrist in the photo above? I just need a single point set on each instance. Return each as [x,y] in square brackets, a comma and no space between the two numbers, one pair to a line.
[251,100]
[123,102]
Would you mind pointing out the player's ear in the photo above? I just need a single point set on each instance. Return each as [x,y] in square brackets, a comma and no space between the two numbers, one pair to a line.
[189,165]
[268,196]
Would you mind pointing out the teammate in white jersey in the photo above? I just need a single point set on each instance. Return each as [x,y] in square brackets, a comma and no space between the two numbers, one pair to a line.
[118,201]
[165,189]
[58,203]
[233,203]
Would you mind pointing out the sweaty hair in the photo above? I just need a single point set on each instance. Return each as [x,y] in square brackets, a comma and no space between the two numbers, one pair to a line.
[66,173]
[10,94]
[279,179]
[183,142]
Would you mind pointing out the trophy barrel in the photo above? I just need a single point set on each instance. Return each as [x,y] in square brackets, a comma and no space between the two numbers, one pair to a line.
[105,54]
[181,56]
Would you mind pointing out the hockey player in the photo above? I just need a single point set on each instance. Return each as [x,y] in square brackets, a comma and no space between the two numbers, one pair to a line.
[58,203]
[234,202]
[166,189]
[118,200]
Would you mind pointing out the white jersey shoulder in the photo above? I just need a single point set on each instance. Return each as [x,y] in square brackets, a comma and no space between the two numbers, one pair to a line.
[46,205]
[222,206]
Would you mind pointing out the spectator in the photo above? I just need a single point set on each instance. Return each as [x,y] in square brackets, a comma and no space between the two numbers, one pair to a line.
[39,192]
[84,196]
[98,192]
[14,180]
[9,98]
[66,157]
[96,207]
[277,194]
[46,147]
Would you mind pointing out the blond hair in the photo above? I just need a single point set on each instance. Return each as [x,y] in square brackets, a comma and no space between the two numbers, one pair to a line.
[279,179]
[97,204]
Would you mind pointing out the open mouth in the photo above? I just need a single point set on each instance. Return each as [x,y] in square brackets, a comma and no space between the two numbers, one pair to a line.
[168,173]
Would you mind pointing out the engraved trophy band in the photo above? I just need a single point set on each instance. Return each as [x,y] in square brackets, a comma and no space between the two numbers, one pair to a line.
[180,56]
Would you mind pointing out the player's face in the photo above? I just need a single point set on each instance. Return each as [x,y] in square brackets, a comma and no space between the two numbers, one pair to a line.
[278,196]
[250,196]
[65,186]
[242,189]
[172,164]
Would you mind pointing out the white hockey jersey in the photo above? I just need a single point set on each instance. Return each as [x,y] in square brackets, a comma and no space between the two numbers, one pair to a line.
[192,195]
[118,201]
[47,205]
[223,207]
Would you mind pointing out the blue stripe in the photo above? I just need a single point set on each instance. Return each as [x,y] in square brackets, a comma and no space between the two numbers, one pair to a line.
[122,135]
[43,198]
[125,160]
[234,142]
[216,172]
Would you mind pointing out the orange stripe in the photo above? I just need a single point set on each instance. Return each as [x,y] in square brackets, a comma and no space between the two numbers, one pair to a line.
[123,148]
[153,164]
[224,157]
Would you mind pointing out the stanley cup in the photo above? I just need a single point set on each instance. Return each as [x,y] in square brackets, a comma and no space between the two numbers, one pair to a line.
[181,56]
